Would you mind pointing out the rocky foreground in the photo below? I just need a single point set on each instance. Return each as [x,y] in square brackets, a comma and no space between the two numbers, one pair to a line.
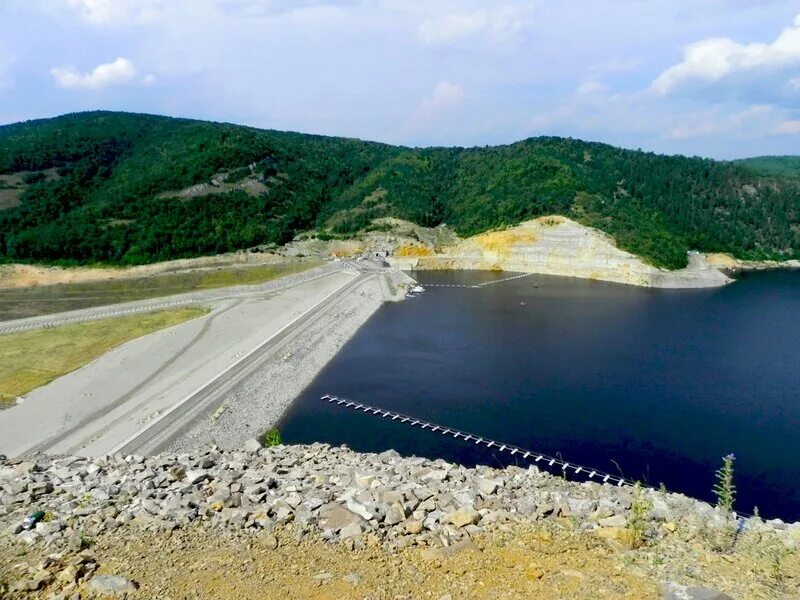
[327,520]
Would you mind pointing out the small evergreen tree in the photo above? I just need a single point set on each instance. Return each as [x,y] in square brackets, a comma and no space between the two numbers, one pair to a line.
[724,489]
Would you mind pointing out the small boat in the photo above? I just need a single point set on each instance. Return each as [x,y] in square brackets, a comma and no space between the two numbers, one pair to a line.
[417,289]
[523,303]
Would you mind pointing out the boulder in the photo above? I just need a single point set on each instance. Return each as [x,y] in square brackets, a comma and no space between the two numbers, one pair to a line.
[336,517]
[488,487]
[462,517]
[252,445]
[615,521]
[675,591]
[351,530]
[395,514]
[111,585]
[413,526]
[363,480]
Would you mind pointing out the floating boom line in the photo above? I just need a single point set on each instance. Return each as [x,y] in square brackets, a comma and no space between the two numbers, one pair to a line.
[477,285]
[537,458]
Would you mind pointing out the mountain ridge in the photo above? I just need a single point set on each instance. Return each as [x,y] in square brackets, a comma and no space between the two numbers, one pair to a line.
[128,188]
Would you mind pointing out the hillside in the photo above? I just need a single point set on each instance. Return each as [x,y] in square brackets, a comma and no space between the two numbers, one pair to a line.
[124,188]
[787,166]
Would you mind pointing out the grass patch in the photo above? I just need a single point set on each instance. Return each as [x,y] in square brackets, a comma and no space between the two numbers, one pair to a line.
[272,438]
[33,358]
[20,303]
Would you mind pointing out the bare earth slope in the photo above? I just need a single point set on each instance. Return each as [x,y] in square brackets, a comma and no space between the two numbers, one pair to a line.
[560,246]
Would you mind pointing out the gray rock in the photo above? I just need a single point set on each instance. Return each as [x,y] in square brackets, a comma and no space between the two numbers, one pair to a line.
[196,476]
[352,530]
[615,521]
[29,537]
[487,487]
[465,498]
[49,528]
[674,591]
[363,480]
[75,542]
[581,508]
[423,493]
[414,527]
[37,582]
[336,517]
[39,488]
[111,585]
[252,445]
[395,514]
[100,495]
[462,517]
[177,472]
[660,510]
[362,510]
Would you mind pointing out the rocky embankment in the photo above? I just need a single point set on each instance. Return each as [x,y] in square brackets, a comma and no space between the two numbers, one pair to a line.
[559,246]
[336,495]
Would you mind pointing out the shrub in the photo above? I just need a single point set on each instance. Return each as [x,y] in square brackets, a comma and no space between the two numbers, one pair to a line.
[640,510]
[272,438]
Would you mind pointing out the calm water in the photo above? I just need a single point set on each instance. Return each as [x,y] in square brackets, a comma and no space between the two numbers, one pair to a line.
[661,383]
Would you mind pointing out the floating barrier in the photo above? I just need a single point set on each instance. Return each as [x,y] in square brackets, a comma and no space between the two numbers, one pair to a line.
[537,458]
[477,285]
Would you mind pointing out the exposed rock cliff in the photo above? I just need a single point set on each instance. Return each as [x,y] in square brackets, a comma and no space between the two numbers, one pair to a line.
[558,246]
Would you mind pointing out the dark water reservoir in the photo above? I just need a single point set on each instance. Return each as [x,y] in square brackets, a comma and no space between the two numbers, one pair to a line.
[659,384]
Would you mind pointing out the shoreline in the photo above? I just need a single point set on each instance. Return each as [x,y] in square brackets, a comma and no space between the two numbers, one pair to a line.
[261,401]
[427,511]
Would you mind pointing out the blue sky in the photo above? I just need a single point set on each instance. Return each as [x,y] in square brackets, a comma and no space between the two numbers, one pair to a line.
[715,78]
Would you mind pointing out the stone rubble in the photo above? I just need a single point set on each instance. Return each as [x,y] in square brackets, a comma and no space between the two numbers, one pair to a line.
[332,492]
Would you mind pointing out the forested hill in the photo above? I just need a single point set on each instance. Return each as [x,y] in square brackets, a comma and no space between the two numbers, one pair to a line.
[788,166]
[127,188]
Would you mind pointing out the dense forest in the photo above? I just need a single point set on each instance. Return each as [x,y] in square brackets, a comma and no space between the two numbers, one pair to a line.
[788,166]
[105,187]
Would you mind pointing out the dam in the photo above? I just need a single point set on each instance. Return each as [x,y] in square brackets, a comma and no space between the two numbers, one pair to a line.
[649,385]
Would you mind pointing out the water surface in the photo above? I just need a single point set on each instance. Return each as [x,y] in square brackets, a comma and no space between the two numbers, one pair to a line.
[657,384]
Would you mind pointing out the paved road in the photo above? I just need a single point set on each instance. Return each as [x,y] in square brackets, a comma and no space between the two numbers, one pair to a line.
[151,304]
[109,409]
[159,435]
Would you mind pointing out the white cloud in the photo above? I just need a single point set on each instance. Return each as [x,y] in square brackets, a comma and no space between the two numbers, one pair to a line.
[445,94]
[119,72]
[713,121]
[788,128]
[499,24]
[452,27]
[103,12]
[795,84]
[591,87]
[714,59]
